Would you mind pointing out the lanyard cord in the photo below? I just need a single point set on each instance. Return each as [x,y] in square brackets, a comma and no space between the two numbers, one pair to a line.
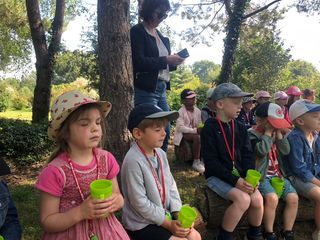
[153,171]
[273,157]
[231,154]
[79,189]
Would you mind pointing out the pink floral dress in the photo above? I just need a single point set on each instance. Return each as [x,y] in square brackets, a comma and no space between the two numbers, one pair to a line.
[57,179]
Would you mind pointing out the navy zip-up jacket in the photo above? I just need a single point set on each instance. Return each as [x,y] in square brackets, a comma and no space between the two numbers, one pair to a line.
[215,153]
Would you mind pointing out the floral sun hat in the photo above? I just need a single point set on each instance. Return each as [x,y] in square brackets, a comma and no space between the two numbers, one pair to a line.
[65,104]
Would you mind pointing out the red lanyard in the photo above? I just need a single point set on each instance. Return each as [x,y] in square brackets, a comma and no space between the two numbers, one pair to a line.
[155,176]
[273,158]
[231,154]
[91,234]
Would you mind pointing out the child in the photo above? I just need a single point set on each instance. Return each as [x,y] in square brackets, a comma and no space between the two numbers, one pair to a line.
[270,146]
[304,157]
[227,155]
[309,94]
[188,126]
[67,210]
[9,222]
[294,94]
[208,110]
[262,97]
[281,98]
[245,115]
[150,192]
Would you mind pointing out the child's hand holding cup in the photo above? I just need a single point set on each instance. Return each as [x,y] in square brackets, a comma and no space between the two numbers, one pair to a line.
[101,189]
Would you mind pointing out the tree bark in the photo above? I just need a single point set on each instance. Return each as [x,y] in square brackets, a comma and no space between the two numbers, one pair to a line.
[231,40]
[44,56]
[115,66]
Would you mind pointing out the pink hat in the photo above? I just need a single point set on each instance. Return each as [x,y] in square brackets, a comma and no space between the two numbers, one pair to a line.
[262,93]
[280,95]
[294,90]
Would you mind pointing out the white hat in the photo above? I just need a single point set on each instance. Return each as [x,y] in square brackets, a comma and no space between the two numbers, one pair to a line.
[300,107]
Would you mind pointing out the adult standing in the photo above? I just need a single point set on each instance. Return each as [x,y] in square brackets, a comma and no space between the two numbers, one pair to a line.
[151,57]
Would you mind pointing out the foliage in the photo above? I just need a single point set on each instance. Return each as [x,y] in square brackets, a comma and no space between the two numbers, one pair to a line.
[71,65]
[261,55]
[299,73]
[206,70]
[308,6]
[25,143]
[25,114]
[15,42]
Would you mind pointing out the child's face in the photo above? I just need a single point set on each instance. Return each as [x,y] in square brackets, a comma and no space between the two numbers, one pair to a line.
[151,137]
[231,107]
[310,121]
[281,102]
[189,102]
[247,106]
[86,131]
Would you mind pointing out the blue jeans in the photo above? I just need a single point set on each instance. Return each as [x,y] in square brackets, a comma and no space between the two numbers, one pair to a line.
[158,98]
[10,227]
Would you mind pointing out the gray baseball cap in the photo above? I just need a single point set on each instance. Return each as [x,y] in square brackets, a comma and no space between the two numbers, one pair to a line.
[225,90]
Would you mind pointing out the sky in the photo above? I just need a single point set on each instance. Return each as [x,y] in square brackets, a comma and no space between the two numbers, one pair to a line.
[299,32]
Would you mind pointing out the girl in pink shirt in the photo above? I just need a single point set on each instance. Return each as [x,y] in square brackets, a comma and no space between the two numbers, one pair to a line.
[67,210]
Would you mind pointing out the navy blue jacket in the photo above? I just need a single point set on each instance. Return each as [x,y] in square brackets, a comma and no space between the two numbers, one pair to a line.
[215,154]
[10,227]
[304,161]
[145,58]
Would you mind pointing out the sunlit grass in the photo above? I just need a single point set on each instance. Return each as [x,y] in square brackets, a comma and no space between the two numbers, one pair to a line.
[17,114]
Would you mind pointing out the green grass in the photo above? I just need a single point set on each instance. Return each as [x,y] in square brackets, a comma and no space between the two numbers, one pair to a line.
[26,199]
[15,114]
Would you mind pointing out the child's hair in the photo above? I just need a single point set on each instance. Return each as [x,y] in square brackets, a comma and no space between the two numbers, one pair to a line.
[63,132]
[153,122]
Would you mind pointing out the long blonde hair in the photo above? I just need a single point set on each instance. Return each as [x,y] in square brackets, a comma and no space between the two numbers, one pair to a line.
[64,130]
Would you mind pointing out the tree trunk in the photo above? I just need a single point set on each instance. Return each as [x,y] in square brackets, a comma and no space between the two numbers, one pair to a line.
[44,56]
[115,67]
[231,40]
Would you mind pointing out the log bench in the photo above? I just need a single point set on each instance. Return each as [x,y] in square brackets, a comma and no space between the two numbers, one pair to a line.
[183,152]
[212,207]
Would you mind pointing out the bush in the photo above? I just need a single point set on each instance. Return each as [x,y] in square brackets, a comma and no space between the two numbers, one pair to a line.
[23,142]
[4,102]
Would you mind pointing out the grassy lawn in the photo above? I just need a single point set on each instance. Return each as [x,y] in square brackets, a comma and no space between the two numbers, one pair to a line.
[22,114]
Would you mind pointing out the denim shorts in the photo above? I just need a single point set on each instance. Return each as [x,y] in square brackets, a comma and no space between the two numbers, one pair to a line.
[265,187]
[219,187]
[303,188]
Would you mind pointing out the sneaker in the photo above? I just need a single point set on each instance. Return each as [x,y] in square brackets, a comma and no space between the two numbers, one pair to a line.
[316,235]
[198,166]
[258,237]
[287,235]
[270,236]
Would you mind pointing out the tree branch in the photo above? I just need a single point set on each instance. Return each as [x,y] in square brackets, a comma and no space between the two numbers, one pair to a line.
[260,9]
[228,8]
[214,16]
[202,4]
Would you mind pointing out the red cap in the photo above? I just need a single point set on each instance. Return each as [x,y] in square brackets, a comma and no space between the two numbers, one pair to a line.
[294,90]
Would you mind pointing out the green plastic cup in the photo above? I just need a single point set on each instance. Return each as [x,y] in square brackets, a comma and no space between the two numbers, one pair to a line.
[253,177]
[1,238]
[187,216]
[101,189]
[277,184]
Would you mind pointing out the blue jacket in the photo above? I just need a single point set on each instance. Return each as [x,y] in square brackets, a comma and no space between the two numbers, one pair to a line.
[304,161]
[10,227]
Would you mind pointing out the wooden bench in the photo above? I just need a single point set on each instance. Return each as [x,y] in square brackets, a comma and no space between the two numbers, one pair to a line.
[183,152]
[212,208]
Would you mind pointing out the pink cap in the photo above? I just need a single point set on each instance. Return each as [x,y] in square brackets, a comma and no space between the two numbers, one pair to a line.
[280,95]
[262,93]
[294,90]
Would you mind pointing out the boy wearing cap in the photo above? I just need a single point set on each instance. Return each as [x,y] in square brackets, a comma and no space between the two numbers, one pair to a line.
[294,94]
[281,98]
[227,154]
[151,197]
[309,94]
[208,110]
[188,126]
[9,223]
[304,157]
[270,146]
[245,115]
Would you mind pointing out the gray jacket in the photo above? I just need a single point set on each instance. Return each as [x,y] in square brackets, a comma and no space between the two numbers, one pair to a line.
[142,202]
